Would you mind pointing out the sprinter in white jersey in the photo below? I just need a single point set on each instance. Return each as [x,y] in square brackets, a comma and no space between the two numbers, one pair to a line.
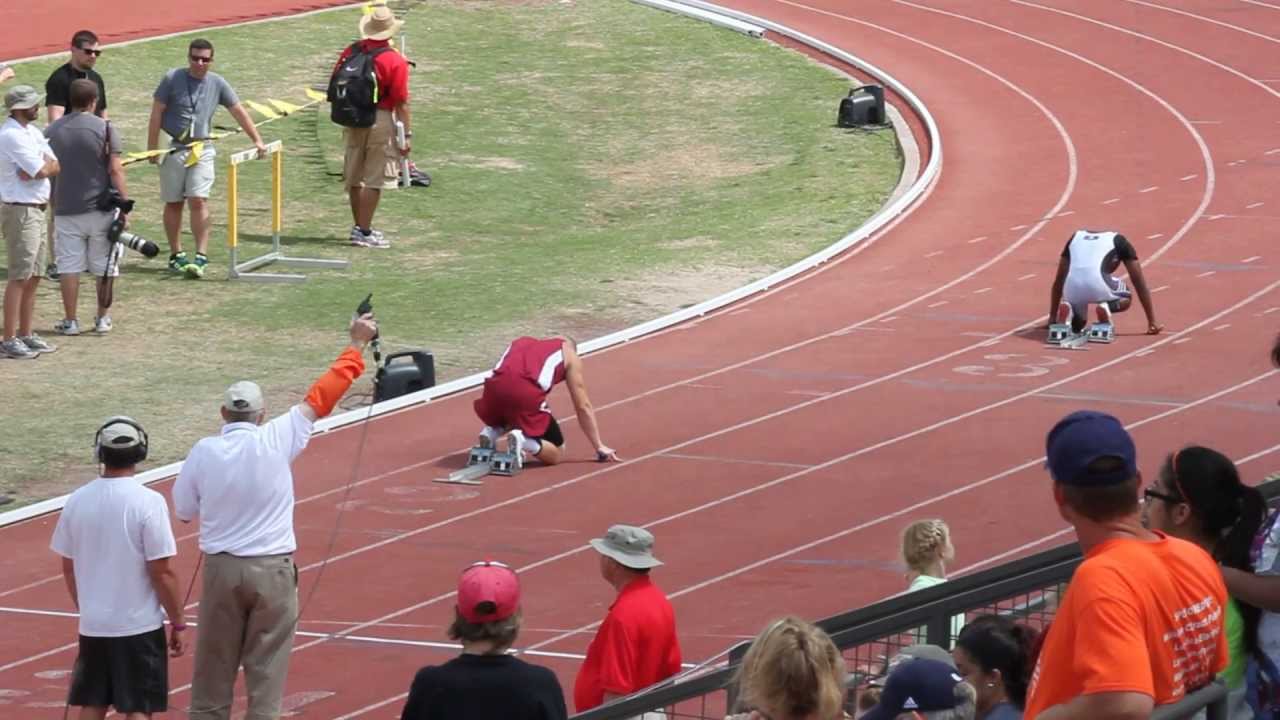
[1084,279]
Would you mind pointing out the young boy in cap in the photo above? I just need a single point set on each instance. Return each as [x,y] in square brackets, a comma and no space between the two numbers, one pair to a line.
[931,688]
[485,682]
[1141,623]
[636,645]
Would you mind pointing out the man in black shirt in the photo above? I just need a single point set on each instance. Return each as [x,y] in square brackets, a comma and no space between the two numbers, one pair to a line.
[57,90]
[485,682]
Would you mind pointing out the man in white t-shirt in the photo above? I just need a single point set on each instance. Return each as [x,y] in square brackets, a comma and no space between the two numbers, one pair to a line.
[116,545]
[240,484]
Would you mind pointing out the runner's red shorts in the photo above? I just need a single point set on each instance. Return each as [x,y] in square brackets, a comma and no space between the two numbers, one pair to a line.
[513,401]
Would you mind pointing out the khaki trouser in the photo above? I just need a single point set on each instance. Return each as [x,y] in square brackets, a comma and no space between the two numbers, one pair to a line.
[248,614]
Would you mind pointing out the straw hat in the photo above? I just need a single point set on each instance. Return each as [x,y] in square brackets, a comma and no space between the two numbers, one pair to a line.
[381,24]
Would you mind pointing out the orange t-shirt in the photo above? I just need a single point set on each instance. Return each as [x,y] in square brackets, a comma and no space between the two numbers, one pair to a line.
[1138,616]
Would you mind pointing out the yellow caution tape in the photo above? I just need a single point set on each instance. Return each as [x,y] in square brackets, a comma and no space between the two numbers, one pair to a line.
[315,95]
[197,149]
[284,107]
[263,109]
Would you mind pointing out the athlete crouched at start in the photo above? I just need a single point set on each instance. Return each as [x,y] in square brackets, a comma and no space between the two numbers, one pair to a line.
[514,400]
[1084,278]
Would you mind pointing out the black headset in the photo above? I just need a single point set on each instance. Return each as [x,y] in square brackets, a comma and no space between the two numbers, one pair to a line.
[139,448]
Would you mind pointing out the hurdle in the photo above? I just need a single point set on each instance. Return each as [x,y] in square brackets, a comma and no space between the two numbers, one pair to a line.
[244,270]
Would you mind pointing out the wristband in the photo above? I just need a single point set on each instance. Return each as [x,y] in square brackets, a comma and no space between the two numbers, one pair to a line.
[329,389]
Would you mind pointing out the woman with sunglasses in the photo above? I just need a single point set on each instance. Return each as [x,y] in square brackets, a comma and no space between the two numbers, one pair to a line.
[1198,497]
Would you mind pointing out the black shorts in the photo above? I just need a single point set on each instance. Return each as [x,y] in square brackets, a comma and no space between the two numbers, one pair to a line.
[128,673]
[553,434]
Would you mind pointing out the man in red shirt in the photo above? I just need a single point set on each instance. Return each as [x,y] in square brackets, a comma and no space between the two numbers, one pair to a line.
[514,400]
[364,166]
[636,645]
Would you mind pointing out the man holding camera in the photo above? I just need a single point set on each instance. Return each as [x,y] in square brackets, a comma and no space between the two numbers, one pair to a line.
[89,148]
[26,164]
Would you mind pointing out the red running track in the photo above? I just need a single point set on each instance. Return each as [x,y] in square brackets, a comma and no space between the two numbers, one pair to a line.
[777,447]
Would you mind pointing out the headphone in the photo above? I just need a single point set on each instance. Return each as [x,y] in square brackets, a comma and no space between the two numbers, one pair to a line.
[140,449]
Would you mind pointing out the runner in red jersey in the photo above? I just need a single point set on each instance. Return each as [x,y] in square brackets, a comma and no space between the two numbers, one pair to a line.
[514,401]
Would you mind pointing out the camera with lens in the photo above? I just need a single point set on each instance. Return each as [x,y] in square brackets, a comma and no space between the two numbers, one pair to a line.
[119,209]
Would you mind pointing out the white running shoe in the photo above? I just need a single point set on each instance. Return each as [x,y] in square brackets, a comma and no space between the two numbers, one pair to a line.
[515,439]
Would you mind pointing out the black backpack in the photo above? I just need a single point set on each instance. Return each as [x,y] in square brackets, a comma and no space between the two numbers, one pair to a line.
[353,89]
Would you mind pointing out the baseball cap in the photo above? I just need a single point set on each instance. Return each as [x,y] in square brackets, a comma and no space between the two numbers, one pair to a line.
[918,684]
[119,434]
[1083,437]
[488,582]
[243,396]
[21,97]
[631,546]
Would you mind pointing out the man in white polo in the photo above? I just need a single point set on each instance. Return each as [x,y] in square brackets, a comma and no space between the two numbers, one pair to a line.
[116,546]
[240,484]
[26,164]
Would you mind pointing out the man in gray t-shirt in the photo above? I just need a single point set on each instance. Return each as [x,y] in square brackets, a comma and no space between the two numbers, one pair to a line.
[183,106]
[88,149]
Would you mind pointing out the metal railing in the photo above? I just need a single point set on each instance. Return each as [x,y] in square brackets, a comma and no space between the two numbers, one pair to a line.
[868,637]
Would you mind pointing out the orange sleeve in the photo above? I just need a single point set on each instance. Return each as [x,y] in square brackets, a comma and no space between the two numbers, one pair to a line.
[329,389]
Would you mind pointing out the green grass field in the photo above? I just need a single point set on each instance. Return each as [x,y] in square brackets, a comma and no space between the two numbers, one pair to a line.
[594,164]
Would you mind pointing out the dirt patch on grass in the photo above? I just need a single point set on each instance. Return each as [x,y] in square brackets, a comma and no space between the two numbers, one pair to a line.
[690,164]
[486,163]
[645,296]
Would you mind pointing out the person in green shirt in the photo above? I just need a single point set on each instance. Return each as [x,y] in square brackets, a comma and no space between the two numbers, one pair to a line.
[1198,496]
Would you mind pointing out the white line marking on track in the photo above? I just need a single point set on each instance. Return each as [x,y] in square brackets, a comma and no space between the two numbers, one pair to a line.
[740,461]
[1112,201]
[1272,151]
[1158,289]
[1206,122]
[903,511]
[1143,353]
[983,290]
[940,303]
[1268,311]
[1223,326]
[1185,178]
[1019,227]
[1251,206]
[1207,273]
[1253,258]
[891,318]
[978,239]
[935,253]
[1153,188]
[1028,276]
[1179,341]
[1155,235]
[1065,213]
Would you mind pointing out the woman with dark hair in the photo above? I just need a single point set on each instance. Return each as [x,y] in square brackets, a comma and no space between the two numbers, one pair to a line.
[1198,497]
[994,655]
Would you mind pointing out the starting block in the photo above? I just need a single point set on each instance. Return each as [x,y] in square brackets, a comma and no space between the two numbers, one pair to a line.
[1061,336]
[1101,333]
[481,462]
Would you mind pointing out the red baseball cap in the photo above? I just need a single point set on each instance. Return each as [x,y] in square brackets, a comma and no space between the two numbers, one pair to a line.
[488,582]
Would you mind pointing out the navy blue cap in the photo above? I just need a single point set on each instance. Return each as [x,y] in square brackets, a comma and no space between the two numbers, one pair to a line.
[1083,437]
[918,684]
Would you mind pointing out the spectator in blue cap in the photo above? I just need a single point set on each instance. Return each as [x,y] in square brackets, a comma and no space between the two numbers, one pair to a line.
[1141,622]
[924,688]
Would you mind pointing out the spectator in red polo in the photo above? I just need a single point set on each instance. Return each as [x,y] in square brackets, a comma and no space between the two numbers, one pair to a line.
[636,645]
[364,165]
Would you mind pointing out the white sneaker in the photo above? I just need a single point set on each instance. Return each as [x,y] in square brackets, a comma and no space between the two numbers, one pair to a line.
[67,327]
[515,439]
[17,350]
[37,344]
[102,325]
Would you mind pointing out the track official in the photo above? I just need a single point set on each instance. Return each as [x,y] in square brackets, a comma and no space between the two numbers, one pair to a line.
[240,484]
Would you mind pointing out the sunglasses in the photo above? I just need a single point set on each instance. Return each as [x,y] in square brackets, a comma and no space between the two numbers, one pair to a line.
[87,51]
[1174,499]
[489,563]
[201,59]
